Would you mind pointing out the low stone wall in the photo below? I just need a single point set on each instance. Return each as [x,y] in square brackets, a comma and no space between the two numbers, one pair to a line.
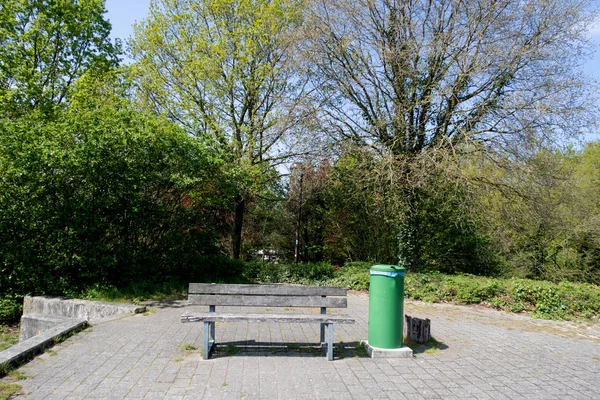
[29,348]
[46,320]
[34,324]
[41,312]
[75,308]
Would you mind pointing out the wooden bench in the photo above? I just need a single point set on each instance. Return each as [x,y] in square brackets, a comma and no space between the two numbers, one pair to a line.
[213,295]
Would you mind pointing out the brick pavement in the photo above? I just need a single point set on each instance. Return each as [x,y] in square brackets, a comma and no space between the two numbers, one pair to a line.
[483,354]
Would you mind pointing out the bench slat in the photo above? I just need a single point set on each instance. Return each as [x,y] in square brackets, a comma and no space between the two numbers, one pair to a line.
[267,301]
[284,318]
[274,290]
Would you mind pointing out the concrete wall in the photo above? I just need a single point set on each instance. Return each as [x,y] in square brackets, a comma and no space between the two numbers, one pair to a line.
[75,308]
[41,313]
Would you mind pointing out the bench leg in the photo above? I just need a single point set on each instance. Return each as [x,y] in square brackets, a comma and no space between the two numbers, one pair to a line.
[207,328]
[209,339]
[330,342]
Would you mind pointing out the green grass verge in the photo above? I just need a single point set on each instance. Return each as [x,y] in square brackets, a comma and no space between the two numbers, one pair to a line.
[558,301]
[135,292]
[8,389]
[9,336]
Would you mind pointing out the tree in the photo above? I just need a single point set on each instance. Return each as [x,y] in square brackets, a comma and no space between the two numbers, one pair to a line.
[104,194]
[410,79]
[223,70]
[45,46]
[541,214]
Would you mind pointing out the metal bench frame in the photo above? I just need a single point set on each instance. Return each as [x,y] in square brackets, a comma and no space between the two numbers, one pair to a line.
[212,295]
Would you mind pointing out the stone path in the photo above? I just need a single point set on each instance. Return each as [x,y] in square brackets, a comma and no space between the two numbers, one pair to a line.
[481,354]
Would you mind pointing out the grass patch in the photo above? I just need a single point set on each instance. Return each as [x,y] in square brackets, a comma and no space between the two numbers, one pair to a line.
[135,292]
[293,346]
[432,346]
[8,389]
[361,351]
[17,375]
[188,347]
[9,336]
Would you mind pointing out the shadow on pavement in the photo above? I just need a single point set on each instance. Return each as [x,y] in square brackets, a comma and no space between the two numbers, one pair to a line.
[177,303]
[432,346]
[252,348]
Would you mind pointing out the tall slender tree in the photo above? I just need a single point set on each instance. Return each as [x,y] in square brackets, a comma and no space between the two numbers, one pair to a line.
[224,70]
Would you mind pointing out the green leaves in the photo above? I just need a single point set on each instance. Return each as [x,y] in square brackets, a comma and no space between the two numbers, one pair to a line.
[45,46]
[222,69]
[102,193]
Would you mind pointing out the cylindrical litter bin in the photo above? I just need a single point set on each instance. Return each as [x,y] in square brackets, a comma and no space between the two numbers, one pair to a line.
[386,306]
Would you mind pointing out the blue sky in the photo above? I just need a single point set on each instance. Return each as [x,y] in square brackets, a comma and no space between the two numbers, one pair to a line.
[123,13]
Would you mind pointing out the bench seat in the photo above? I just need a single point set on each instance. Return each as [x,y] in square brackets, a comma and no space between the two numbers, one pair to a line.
[263,317]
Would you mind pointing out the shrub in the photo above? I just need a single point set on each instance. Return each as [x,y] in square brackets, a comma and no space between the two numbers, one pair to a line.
[104,194]
[11,309]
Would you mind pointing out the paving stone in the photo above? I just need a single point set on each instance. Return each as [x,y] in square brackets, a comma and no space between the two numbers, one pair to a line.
[486,355]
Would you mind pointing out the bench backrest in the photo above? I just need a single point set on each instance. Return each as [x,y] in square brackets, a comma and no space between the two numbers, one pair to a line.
[211,294]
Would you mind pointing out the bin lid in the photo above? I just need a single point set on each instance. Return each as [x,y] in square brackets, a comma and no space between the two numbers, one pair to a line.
[387,268]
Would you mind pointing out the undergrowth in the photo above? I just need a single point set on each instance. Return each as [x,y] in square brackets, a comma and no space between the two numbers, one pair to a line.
[8,389]
[135,292]
[543,299]
[9,336]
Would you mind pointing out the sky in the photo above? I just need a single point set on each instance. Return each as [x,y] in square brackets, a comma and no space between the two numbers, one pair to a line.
[123,13]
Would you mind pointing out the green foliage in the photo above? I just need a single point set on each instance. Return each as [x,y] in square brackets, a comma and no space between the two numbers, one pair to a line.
[10,307]
[45,46]
[289,272]
[541,215]
[134,292]
[103,194]
[439,231]
[542,299]
[353,275]
[9,336]
[222,70]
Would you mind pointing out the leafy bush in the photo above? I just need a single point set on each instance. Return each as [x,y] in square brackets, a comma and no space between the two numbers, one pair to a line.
[11,308]
[290,272]
[104,194]
[353,275]
[543,299]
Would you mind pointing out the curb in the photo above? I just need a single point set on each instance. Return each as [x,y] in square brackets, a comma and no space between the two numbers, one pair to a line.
[27,349]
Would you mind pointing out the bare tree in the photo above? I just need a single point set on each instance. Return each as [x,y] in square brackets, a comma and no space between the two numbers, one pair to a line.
[411,79]
[405,76]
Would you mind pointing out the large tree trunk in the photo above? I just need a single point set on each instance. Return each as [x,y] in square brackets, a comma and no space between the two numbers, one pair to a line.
[238,220]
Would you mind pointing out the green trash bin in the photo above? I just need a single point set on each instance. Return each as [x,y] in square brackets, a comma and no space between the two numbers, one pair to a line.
[386,306]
